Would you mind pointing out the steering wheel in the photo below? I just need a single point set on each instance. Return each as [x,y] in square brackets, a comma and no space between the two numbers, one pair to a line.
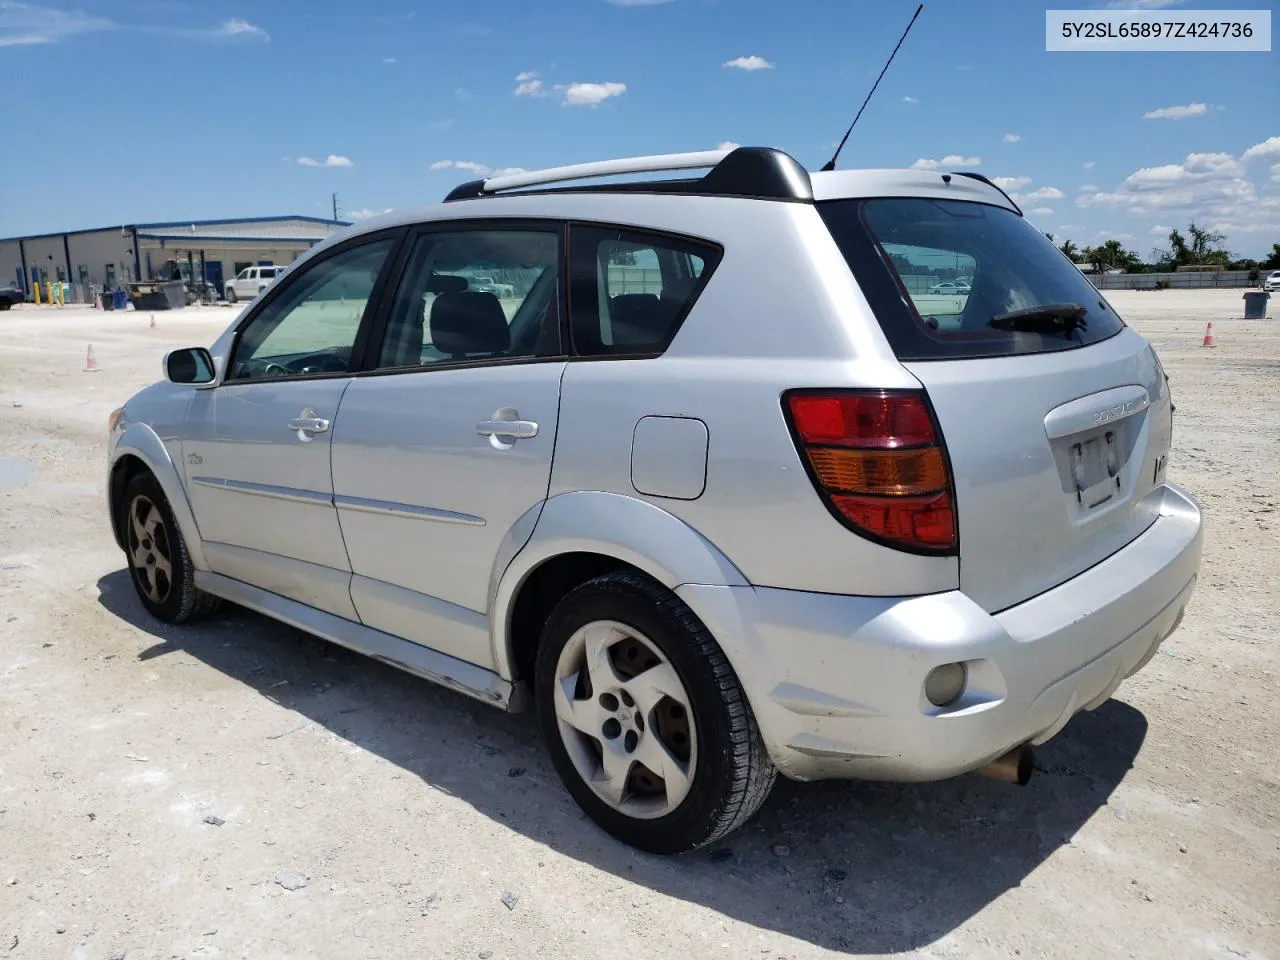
[320,363]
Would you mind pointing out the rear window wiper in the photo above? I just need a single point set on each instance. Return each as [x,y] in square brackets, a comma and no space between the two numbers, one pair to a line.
[1045,318]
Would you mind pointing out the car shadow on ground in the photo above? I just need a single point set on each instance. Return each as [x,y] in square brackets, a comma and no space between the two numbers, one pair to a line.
[871,868]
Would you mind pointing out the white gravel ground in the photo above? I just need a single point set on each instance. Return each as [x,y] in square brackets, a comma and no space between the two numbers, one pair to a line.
[361,813]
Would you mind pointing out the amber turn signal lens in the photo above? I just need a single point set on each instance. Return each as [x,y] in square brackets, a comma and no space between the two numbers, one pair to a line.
[886,472]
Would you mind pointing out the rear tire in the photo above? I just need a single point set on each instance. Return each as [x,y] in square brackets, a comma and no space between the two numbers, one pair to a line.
[159,563]
[628,679]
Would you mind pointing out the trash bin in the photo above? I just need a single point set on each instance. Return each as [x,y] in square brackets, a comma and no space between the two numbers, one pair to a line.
[121,299]
[108,301]
[1255,304]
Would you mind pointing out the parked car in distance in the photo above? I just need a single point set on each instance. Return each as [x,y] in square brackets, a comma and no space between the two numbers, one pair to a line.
[721,529]
[11,295]
[250,282]
[958,287]
[1272,282]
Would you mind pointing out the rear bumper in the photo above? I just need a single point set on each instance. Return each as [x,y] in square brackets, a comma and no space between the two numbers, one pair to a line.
[837,682]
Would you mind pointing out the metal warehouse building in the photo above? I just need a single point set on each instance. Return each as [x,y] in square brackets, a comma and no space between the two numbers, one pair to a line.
[109,256]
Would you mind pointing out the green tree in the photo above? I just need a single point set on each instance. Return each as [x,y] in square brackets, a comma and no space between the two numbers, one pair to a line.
[1069,249]
[1202,249]
[1111,256]
[1273,261]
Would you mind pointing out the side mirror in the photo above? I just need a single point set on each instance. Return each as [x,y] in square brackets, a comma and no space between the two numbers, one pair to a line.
[189,365]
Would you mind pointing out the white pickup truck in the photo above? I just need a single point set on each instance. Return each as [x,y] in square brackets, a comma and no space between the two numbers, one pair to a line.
[251,281]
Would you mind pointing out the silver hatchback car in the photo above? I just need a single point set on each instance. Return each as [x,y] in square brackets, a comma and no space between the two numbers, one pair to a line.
[702,469]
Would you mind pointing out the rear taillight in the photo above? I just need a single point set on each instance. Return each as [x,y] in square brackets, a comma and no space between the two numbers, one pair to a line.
[877,459]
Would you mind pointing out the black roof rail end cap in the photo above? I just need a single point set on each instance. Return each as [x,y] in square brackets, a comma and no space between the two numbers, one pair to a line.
[466,191]
[763,172]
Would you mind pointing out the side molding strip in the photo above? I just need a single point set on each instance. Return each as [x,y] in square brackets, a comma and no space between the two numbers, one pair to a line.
[477,682]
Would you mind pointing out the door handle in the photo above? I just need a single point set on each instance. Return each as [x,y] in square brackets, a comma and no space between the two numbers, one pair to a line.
[513,429]
[308,424]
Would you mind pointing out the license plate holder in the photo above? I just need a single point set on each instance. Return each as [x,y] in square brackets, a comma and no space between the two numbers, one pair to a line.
[1095,468]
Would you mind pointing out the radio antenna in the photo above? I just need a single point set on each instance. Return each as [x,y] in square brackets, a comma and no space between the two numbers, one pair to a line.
[831,164]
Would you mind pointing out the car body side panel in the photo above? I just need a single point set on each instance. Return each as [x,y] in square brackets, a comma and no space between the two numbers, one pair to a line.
[613,525]
[141,440]
[759,508]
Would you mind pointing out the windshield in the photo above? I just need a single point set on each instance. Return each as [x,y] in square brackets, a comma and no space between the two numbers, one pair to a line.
[951,278]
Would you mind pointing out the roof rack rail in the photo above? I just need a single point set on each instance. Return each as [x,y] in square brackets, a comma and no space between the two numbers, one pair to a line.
[990,183]
[759,172]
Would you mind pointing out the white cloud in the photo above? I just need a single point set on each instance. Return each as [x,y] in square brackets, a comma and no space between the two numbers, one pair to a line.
[748,63]
[950,160]
[236,27]
[365,214]
[1160,230]
[727,145]
[1142,4]
[1089,164]
[528,85]
[1177,113]
[1197,166]
[1209,188]
[460,94]
[636,3]
[1275,173]
[910,100]
[1087,186]
[332,160]
[1041,212]
[1265,150]
[509,171]
[1011,138]
[390,60]
[1011,183]
[25,24]
[479,169]
[1070,226]
[1043,193]
[590,94]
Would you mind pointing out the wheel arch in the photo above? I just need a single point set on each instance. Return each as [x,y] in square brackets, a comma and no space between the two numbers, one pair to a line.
[574,537]
[140,449]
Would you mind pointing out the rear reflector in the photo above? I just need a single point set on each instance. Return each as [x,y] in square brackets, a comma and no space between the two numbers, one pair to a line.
[879,464]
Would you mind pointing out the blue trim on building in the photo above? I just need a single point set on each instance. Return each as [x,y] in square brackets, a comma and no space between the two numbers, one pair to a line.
[183,242]
[178,223]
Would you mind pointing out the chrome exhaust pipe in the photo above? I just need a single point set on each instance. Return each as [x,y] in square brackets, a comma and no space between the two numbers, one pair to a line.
[1014,767]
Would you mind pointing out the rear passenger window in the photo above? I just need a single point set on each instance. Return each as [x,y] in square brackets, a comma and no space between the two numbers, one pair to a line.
[476,295]
[631,290]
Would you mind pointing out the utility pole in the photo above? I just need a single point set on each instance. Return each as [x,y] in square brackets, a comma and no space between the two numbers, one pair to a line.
[334,198]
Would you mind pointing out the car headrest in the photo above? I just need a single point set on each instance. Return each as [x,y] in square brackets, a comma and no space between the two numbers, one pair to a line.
[469,322]
[446,283]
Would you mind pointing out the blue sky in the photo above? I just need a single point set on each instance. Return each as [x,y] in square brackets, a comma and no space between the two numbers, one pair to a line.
[134,110]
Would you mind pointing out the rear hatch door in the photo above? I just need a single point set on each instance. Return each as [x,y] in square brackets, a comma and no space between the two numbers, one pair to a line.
[1055,415]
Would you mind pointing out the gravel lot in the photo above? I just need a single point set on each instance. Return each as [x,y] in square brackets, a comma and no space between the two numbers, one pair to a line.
[361,813]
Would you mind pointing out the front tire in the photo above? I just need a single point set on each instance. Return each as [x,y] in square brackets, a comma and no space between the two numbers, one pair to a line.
[159,563]
[231,294]
[644,717]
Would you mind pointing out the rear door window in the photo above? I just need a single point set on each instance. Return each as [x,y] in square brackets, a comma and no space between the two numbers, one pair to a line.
[949,279]
[631,289]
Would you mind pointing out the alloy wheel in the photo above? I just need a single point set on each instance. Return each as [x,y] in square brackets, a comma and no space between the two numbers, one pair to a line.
[149,549]
[625,720]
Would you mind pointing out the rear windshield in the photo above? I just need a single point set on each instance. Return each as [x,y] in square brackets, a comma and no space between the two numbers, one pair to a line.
[949,279]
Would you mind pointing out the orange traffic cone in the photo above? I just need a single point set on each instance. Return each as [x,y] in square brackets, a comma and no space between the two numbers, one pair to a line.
[1208,336]
[153,321]
[90,364]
